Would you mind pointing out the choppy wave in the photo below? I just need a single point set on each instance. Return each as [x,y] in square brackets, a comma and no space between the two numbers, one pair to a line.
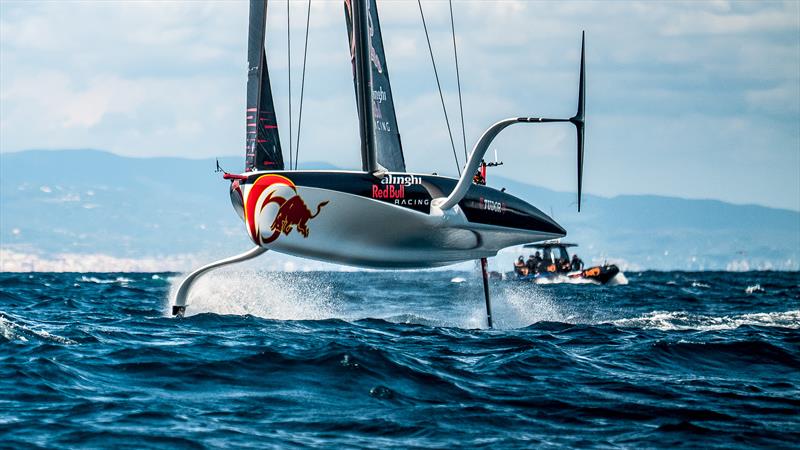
[754,289]
[400,360]
[682,320]
[121,280]
[14,329]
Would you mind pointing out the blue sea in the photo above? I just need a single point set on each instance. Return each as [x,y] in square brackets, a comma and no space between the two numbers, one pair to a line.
[399,360]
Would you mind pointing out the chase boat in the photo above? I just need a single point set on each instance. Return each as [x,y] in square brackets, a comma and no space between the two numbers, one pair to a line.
[555,267]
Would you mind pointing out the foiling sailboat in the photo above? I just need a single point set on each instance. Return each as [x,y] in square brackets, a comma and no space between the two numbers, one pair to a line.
[382,216]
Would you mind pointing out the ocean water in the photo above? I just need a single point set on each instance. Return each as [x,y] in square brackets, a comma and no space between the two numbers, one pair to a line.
[399,360]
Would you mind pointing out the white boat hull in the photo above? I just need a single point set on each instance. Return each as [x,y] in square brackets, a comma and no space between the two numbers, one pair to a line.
[375,233]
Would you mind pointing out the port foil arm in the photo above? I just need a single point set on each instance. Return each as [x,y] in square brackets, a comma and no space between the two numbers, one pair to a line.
[180,300]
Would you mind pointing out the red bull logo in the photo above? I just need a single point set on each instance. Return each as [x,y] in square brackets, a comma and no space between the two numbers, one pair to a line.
[293,213]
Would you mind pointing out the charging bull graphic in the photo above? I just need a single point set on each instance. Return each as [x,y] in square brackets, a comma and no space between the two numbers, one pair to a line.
[292,211]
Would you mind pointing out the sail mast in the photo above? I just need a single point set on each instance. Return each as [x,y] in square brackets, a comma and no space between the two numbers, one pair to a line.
[262,143]
[363,75]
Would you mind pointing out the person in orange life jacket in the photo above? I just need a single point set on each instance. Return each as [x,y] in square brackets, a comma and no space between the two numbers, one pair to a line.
[520,268]
[478,178]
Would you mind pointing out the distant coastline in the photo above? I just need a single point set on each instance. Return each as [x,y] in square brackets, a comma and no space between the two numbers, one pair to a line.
[89,210]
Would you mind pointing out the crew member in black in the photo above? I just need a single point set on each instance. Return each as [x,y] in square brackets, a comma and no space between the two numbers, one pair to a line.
[478,178]
[576,264]
[531,264]
[538,263]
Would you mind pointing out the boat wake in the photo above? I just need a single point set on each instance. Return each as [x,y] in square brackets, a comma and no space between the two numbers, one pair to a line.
[619,280]
[458,304]
[562,279]
[314,296]
[513,308]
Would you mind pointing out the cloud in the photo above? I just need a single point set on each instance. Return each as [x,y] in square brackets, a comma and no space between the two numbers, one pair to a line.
[167,78]
[778,100]
[729,23]
[146,116]
[57,102]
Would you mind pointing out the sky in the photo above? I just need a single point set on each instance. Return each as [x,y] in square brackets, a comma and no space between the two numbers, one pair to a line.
[687,99]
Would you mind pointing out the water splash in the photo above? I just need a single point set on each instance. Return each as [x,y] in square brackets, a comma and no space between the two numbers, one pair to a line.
[270,295]
[520,307]
[515,306]
[619,280]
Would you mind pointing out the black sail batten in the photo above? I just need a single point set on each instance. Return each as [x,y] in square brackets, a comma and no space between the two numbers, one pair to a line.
[262,142]
[381,145]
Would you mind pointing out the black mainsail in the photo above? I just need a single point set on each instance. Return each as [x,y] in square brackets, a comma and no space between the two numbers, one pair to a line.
[262,144]
[380,139]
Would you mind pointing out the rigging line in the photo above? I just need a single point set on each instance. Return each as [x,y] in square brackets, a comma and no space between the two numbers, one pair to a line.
[441,96]
[289,64]
[302,89]
[458,80]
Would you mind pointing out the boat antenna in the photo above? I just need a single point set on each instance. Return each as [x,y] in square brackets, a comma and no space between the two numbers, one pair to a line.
[219,168]
[302,89]
[492,164]
[439,85]
[458,80]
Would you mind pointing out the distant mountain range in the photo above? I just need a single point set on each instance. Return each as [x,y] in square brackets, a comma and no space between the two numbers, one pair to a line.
[93,210]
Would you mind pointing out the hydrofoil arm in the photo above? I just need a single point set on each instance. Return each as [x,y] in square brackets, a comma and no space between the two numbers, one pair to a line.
[488,136]
[179,304]
[482,146]
[474,162]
